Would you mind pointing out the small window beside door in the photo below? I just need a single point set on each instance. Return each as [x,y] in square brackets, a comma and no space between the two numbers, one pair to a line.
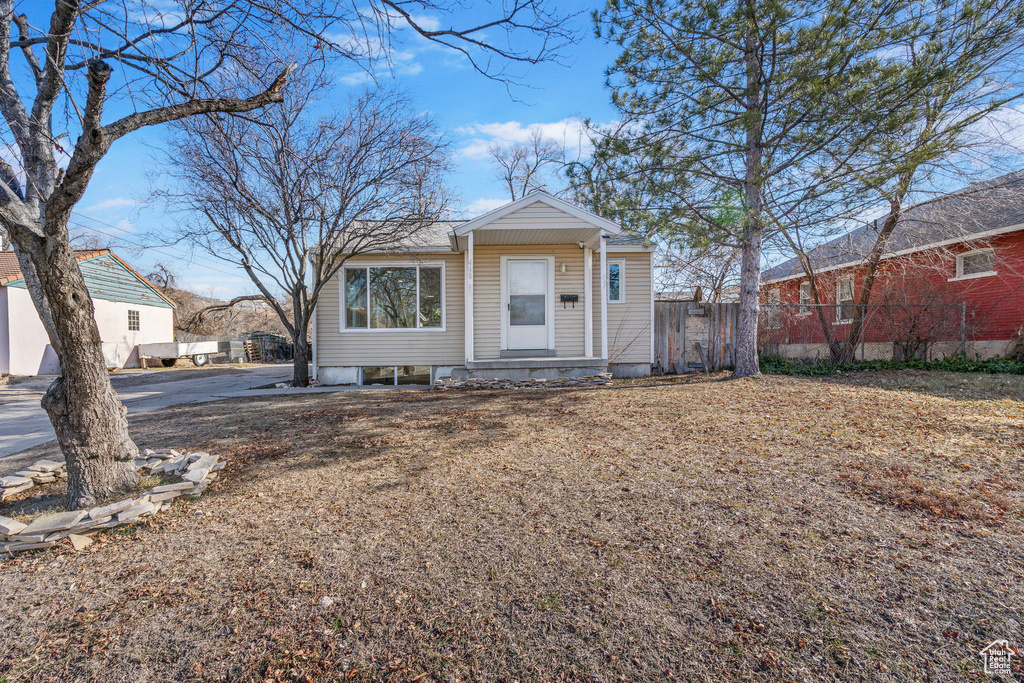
[133,320]
[616,280]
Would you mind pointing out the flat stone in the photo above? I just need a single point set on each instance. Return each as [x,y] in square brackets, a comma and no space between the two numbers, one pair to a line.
[12,481]
[55,522]
[133,513]
[89,523]
[205,462]
[30,474]
[11,491]
[166,495]
[28,538]
[18,547]
[47,466]
[177,486]
[57,535]
[112,509]
[196,475]
[80,542]
[10,526]
[149,452]
[197,489]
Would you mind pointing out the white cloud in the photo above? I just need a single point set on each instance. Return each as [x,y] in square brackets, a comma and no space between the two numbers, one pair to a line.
[356,78]
[570,132]
[482,205]
[427,23]
[115,203]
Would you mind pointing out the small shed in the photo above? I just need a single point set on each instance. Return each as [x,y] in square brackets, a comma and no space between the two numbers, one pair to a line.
[129,311]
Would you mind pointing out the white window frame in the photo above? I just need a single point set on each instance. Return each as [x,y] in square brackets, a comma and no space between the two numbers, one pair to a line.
[621,262]
[138,320]
[840,320]
[960,265]
[366,265]
[804,306]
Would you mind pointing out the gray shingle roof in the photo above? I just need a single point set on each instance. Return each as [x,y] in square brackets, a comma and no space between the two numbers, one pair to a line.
[959,215]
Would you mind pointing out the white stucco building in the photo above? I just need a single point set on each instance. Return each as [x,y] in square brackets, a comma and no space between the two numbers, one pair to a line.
[129,311]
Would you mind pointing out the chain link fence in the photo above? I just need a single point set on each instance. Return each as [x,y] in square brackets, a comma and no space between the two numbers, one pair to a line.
[817,333]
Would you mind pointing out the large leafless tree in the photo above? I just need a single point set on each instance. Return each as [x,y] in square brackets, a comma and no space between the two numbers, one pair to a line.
[79,75]
[523,167]
[290,197]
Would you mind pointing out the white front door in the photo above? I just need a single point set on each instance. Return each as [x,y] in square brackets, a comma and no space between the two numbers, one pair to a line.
[527,303]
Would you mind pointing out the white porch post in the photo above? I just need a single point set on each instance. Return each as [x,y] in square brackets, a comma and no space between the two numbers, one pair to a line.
[588,302]
[468,304]
[604,299]
[316,343]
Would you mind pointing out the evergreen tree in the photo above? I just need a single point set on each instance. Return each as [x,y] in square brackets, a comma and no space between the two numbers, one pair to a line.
[756,99]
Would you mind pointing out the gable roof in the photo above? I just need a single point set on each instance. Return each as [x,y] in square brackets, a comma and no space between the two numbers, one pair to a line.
[10,269]
[980,209]
[533,198]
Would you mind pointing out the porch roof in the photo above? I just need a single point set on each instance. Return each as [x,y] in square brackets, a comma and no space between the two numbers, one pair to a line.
[490,229]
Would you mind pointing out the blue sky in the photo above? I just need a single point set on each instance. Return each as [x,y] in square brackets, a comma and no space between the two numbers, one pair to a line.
[472,110]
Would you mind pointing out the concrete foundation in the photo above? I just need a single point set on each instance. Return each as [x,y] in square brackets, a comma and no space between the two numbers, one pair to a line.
[521,373]
[624,370]
[884,350]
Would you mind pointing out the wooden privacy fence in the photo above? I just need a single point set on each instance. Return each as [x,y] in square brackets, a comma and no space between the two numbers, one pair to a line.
[693,337]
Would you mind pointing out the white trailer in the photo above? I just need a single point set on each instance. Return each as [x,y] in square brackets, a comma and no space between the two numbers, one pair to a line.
[168,353]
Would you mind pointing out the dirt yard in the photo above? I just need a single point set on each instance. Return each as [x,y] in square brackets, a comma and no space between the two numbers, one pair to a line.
[863,527]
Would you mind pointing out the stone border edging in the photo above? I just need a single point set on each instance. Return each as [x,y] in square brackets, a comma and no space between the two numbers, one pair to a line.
[529,383]
[197,470]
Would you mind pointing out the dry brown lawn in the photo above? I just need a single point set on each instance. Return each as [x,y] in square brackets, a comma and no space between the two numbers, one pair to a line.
[866,527]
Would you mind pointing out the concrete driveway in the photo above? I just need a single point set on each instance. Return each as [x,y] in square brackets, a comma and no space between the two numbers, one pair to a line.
[24,424]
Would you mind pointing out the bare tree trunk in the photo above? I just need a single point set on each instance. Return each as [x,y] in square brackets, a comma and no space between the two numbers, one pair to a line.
[848,352]
[300,372]
[750,247]
[87,415]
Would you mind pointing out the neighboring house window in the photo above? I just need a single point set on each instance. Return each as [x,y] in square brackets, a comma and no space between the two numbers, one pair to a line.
[976,263]
[398,297]
[774,302]
[844,299]
[133,320]
[805,298]
[616,280]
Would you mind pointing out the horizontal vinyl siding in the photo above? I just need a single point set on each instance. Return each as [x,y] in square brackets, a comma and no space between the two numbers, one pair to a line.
[412,347]
[539,214]
[487,296]
[629,322]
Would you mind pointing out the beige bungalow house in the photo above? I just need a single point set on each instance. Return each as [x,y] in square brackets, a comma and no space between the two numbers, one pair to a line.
[538,288]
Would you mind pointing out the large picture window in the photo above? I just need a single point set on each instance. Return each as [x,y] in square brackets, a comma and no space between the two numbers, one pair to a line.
[393,297]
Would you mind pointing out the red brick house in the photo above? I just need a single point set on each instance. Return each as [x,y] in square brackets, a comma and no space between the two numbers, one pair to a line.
[952,279]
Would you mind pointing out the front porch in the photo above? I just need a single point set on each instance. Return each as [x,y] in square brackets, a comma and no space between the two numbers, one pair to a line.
[536,291]
[546,367]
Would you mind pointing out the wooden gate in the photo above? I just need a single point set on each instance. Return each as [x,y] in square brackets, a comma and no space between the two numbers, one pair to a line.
[693,337]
